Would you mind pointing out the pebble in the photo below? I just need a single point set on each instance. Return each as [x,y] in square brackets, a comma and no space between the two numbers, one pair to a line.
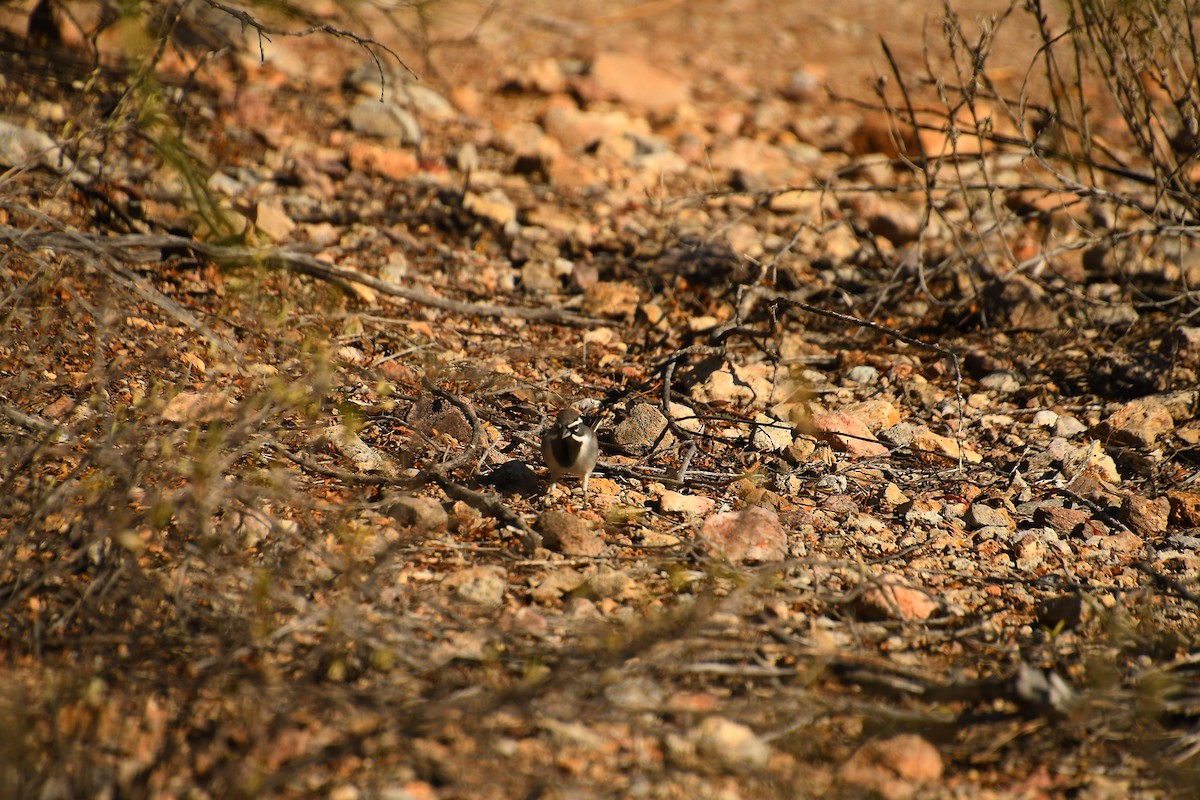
[613,583]
[1185,507]
[771,434]
[688,504]
[876,413]
[421,513]
[481,586]
[631,79]
[492,205]
[980,515]
[730,744]
[1003,382]
[20,146]
[752,534]
[848,433]
[568,534]
[895,768]
[1138,423]
[644,428]
[863,374]
[1145,516]
[1045,419]
[1068,427]
[893,597]
[384,120]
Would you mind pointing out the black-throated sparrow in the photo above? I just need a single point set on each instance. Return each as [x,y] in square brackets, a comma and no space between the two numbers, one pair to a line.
[570,447]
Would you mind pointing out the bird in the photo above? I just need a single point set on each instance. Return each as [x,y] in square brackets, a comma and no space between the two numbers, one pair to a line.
[570,447]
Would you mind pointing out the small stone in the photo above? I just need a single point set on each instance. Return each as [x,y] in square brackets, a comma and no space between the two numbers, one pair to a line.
[771,434]
[730,744]
[1138,423]
[433,416]
[384,120]
[1062,520]
[493,205]
[422,513]
[643,429]
[630,79]
[1045,418]
[375,159]
[568,534]
[892,597]
[612,299]
[1068,427]
[614,583]
[20,146]
[875,414]
[481,586]
[980,515]
[849,434]
[1185,508]
[863,374]
[893,495]
[1146,516]
[752,534]
[271,219]
[1002,382]
[688,504]
[893,769]
[1065,611]
[649,538]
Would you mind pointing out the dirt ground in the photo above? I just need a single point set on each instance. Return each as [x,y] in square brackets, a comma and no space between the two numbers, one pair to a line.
[897,490]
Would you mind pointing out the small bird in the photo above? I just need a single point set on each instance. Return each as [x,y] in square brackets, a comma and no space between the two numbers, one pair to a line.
[570,447]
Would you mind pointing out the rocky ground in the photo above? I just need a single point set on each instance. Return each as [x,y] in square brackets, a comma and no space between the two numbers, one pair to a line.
[897,493]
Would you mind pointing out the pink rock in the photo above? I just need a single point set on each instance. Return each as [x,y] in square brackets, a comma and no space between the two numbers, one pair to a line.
[891,597]
[1145,516]
[1137,423]
[849,434]
[752,534]
[630,79]
[894,768]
